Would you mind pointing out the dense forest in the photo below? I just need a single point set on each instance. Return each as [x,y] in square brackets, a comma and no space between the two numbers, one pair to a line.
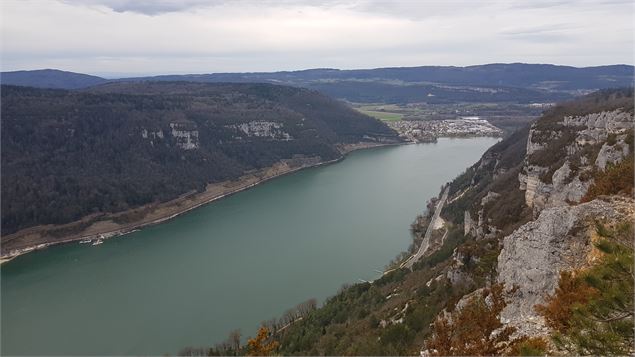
[68,154]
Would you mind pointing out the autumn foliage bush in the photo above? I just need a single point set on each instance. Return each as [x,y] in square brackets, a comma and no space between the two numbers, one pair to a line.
[261,345]
[591,311]
[469,331]
[571,292]
[529,346]
[615,179]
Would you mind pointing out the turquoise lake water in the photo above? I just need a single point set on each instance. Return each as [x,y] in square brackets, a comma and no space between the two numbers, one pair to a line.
[230,264]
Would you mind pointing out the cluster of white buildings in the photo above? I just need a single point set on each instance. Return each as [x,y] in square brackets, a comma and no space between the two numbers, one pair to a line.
[429,130]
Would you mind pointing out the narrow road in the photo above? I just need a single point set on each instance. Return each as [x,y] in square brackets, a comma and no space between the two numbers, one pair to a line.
[426,238]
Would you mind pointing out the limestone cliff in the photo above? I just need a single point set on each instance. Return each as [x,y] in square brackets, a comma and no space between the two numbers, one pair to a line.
[532,212]
[562,153]
[533,256]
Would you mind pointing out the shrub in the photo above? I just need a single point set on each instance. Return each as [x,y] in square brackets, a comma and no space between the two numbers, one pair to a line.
[615,179]
[397,336]
[469,331]
[558,309]
[529,346]
[592,312]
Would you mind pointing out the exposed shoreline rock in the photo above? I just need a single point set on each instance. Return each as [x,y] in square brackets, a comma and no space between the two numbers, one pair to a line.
[104,226]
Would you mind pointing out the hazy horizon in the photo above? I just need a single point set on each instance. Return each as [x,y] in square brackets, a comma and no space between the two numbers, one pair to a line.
[115,75]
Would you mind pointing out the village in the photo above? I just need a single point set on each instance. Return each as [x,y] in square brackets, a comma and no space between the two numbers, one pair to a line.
[430,130]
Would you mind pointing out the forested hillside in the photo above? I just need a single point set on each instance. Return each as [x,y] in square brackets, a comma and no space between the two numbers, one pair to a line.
[534,256]
[68,154]
[490,83]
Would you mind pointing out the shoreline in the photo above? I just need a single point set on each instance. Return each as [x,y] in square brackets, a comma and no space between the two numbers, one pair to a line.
[188,201]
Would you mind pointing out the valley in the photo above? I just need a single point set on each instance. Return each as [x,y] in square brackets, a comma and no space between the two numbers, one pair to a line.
[317,178]
[120,156]
[117,158]
[191,280]
[536,221]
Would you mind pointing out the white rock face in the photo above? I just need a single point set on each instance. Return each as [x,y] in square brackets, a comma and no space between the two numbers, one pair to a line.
[564,189]
[599,125]
[186,139]
[468,224]
[531,145]
[534,255]
[566,186]
[611,154]
[491,196]
[151,134]
[263,129]
[531,182]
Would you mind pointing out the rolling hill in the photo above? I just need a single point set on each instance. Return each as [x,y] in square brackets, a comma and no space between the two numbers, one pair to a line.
[50,78]
[71,154]
[515,82]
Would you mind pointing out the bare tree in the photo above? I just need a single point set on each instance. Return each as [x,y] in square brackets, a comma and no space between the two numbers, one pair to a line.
[234,339]
[192,351]
[289,316]
[272,325]
[305,308]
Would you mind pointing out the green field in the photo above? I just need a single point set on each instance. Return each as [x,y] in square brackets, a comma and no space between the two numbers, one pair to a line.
[381,115]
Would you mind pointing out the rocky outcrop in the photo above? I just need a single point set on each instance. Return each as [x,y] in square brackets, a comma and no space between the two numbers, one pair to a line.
[533,256]
[529,181]
[579,137]
[152,134]
[480,228]
[469,226]
[551,230]
[262,129]
[565,187]
[532,144]
[595,127]
[456,273]
[186,135]
[611,154]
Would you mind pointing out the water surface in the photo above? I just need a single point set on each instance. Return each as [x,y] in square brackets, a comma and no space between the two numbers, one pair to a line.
[230,264]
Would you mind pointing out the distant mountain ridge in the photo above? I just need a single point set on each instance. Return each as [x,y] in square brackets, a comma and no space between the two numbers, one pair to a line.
[50,78]
[497,82]
[496,74]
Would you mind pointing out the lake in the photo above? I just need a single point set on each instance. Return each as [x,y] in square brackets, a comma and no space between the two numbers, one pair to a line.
[230,264]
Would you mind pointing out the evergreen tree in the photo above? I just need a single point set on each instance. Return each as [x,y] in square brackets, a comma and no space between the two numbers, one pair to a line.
[599,321]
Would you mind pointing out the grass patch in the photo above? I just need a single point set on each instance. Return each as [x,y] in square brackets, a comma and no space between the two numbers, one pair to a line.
[381,115]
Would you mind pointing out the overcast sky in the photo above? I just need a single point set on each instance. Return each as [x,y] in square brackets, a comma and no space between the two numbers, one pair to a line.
[139,37]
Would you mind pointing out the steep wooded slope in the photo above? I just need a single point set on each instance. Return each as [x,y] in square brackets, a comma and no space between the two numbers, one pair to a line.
[551,200]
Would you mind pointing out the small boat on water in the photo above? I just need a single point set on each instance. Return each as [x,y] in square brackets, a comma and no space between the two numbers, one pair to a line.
[85,241]
[98,242]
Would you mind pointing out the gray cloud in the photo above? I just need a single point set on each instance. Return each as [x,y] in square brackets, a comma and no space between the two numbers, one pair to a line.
[545,4]
[545,33]
[146,7]
[157,7]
